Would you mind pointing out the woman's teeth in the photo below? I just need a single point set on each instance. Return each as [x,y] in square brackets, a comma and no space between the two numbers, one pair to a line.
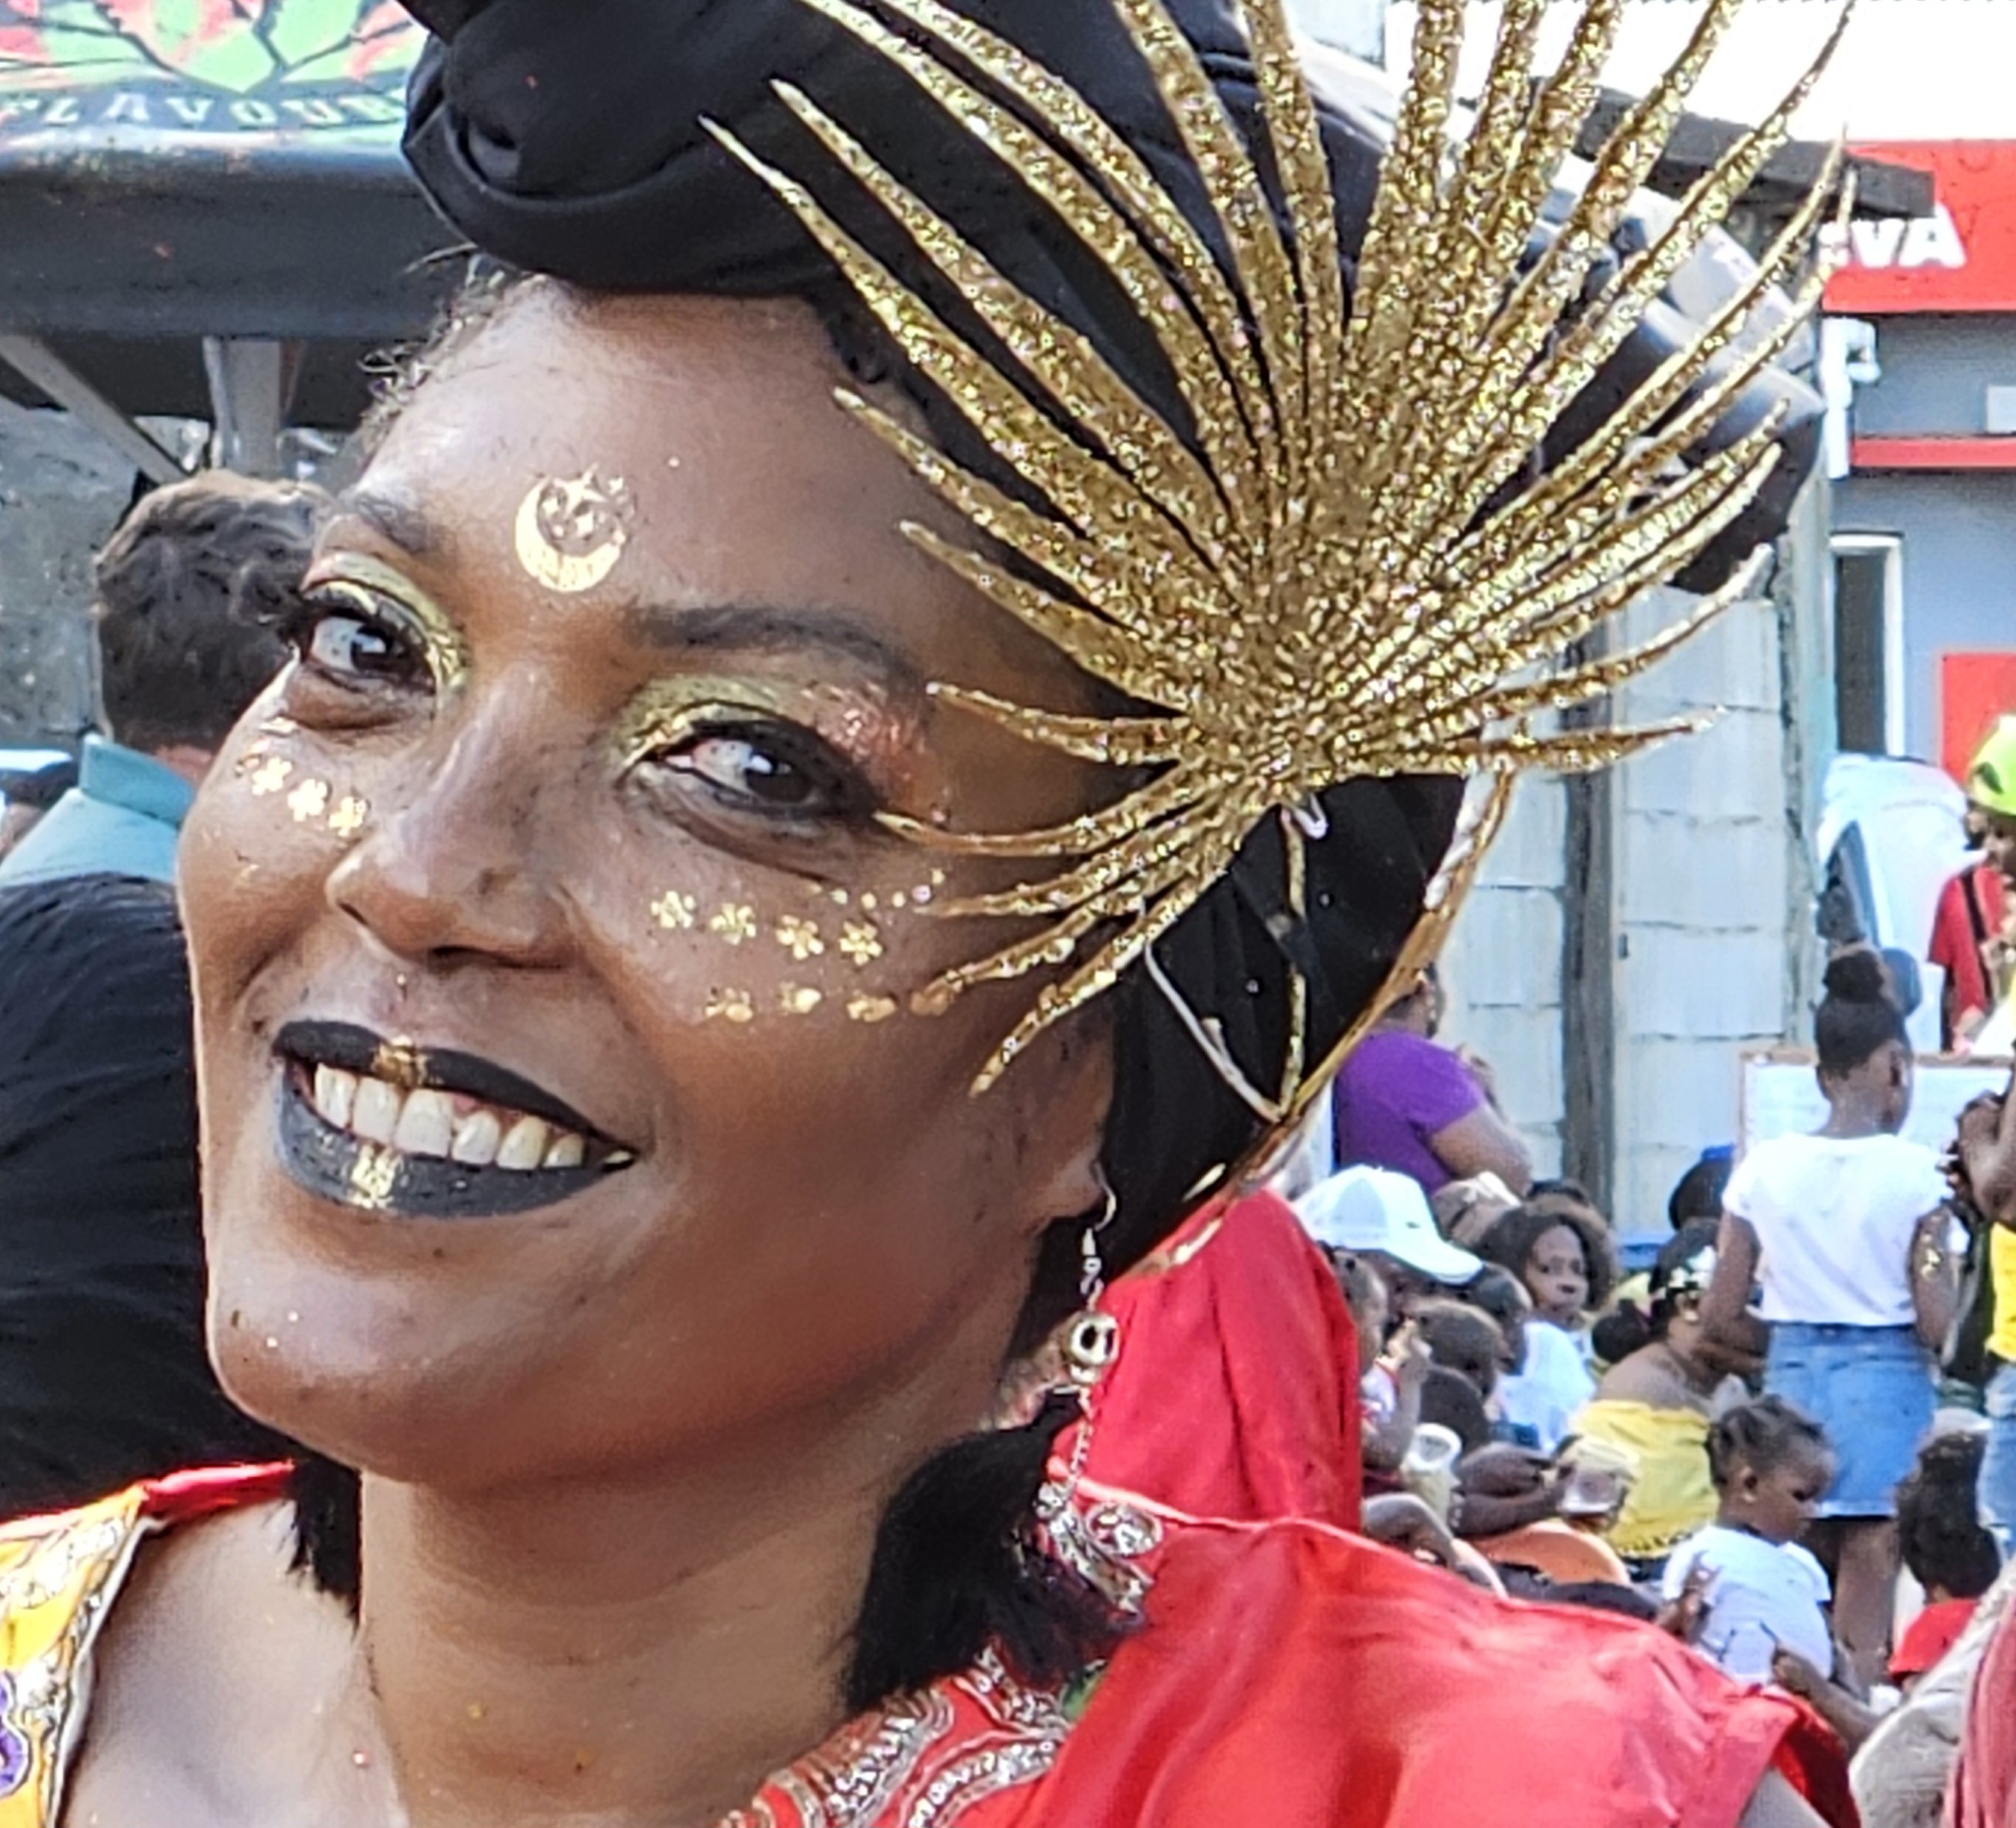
[430,1123]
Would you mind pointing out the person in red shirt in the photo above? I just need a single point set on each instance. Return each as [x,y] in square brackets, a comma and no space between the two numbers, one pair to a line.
[1970,938]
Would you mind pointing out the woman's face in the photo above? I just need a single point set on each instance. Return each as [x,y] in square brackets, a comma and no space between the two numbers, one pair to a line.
[563,1102]
[1557,1275]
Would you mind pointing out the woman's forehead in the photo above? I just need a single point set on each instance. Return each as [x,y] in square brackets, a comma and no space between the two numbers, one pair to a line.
[711,430]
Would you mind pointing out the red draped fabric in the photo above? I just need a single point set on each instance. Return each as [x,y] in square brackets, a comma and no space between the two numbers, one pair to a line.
[1236,1389]
[1984,1786]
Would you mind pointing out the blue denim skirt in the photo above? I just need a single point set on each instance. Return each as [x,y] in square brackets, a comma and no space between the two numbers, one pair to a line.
[1871,1389]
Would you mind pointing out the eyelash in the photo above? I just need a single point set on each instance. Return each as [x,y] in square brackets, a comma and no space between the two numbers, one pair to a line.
[850,801]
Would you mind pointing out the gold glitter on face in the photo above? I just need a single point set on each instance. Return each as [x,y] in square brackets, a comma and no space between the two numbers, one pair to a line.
[675,911]
[798,999]
[349,817]
[734,1006]
[871,1009]
[861,942]
[733,922]
[270,776]
[308,801]
[800,938]
[571,532]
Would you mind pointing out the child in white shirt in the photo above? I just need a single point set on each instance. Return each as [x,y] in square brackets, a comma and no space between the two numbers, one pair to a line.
[1771,1466]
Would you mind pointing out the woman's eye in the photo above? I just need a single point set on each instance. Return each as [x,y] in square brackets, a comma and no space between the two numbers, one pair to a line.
[351,647]
[768,772]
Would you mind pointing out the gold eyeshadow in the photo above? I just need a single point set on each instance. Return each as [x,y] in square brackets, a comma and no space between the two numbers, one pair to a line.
[385,594]
[856,725]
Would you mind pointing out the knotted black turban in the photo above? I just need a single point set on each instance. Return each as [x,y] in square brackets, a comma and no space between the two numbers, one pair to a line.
[568,139]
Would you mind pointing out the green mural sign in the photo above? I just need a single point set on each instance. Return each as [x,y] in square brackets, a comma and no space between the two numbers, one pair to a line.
[202,72]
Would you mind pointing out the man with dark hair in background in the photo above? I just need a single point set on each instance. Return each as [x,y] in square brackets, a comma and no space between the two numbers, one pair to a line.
[185,593]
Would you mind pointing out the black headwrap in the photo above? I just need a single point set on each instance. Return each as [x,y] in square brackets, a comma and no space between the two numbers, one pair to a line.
[103,1373]
[568,139]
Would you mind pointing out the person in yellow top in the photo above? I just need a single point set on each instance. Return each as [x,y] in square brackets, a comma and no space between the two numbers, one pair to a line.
[1656,1403]
[1998,1469]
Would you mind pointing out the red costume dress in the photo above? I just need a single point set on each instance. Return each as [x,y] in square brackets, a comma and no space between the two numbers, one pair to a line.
[1283,1675]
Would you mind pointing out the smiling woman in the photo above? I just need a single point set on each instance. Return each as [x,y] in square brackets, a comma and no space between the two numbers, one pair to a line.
[854,756]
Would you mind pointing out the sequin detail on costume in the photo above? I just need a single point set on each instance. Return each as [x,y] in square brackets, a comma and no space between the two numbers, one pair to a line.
[921,1761]
[1348,571]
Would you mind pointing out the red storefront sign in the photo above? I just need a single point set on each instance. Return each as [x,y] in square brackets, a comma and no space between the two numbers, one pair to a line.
[1962,257]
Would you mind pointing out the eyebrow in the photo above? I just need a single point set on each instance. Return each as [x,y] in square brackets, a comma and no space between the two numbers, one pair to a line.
[394,519]
[757,629]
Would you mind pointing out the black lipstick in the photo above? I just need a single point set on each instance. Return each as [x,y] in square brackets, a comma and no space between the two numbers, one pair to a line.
[345,1169]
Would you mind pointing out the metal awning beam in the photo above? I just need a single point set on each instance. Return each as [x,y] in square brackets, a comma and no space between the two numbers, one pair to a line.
[37,363]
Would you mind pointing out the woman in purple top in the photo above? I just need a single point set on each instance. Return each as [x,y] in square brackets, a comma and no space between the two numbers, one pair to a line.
[1406,1102]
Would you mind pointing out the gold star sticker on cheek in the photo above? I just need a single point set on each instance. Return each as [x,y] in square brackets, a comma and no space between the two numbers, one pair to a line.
[308,801]
[798,999]
[800,938]
[736,1006]
[871,1009]
[861,940]
[675,911]
[270,776]
[735,924]
[348,817]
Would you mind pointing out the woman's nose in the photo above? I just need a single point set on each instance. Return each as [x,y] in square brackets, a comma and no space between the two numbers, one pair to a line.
[457,871]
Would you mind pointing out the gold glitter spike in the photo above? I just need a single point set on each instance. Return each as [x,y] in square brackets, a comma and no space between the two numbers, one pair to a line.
[1260,262]
[1195,361]
[1122,742]
[1063,360]
[1170,793]
[1072,123]
[1341,574]
[1088,492]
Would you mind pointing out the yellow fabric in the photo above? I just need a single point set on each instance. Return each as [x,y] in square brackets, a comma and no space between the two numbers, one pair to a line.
[57,1578]
[1673,1496]
[2002,1278]
[1991,777]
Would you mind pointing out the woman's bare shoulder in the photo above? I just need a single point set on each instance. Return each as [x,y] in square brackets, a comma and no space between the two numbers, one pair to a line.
[212,1656]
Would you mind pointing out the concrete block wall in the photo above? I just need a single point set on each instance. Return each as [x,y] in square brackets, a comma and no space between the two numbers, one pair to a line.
[1701,854]
[61,493]
[1504,968]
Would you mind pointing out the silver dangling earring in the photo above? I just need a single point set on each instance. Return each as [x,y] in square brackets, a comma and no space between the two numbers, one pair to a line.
[1091,1345]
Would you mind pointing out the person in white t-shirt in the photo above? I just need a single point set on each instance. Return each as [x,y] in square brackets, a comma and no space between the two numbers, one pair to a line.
[1844,1234]
[1763,1593]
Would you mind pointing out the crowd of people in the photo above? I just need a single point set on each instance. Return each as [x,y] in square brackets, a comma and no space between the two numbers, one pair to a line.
[1783,1442]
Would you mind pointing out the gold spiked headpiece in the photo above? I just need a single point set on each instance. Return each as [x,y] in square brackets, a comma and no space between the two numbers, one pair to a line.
[1347,571]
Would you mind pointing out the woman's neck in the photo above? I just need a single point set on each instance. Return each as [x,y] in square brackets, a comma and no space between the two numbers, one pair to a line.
[641,1651]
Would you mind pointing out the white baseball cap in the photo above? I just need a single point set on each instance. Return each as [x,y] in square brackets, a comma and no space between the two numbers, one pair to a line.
[1374,1209]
